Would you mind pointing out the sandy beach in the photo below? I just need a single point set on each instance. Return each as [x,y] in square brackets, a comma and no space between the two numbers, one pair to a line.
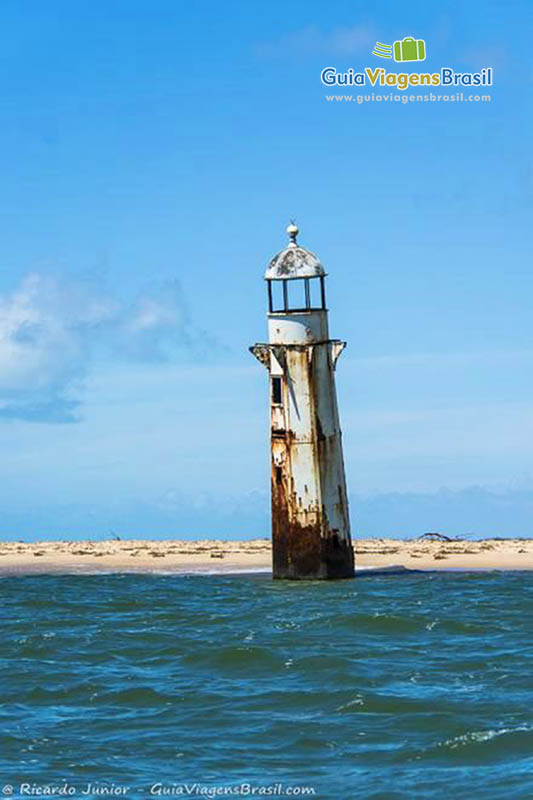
[255,554]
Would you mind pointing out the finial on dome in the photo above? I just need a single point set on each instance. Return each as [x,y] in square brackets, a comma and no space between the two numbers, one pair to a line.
[293,232]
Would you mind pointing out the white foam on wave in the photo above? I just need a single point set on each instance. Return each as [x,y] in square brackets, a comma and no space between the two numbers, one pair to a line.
[473,737]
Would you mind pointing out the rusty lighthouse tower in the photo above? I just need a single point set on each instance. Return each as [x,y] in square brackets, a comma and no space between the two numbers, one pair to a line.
[310,519]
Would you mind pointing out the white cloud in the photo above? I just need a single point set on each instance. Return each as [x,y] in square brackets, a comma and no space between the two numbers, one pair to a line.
[157,324]
[51,329]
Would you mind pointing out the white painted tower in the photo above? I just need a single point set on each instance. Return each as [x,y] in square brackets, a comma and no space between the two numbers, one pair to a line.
[310,518]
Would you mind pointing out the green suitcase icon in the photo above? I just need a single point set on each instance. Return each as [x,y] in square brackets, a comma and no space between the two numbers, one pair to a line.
[410,49]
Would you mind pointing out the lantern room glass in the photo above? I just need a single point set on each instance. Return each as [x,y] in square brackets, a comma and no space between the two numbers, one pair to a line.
[298,294]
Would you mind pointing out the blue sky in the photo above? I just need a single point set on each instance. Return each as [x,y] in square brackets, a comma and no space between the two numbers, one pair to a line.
[151,156]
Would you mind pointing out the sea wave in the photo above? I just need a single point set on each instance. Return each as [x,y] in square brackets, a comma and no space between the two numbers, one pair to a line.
[392,686]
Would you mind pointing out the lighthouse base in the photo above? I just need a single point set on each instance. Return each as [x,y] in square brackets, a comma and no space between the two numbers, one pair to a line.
[302,553]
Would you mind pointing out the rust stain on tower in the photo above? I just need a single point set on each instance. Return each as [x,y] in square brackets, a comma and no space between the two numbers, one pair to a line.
[310,516]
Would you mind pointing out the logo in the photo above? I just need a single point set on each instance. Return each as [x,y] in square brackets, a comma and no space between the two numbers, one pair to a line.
[404,50]
[407,49]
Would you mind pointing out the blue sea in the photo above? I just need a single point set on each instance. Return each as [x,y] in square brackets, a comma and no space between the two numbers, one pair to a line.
[388,686]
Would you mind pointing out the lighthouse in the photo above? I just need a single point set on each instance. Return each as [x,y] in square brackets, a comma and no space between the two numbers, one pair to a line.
[310,518]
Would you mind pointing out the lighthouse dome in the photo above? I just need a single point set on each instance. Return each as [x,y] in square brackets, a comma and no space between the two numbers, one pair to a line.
[294,262]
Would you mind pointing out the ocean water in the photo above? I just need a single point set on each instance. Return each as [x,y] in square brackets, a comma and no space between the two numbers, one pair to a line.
[407,686]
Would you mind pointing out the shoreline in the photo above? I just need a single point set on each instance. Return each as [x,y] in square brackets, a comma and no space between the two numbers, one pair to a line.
[210,556]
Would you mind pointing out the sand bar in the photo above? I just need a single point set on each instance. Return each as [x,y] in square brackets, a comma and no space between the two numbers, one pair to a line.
[254,555]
